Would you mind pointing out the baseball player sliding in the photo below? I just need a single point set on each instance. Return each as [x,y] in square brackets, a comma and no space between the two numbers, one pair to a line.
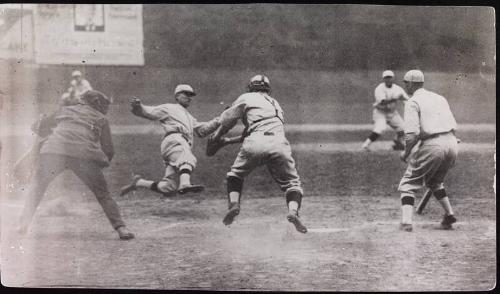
[264,143]
[180,127]
[428,119]
[384,113]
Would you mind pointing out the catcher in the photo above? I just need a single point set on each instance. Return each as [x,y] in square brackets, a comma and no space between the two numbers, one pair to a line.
[180,127]
[78,138]
[264,143]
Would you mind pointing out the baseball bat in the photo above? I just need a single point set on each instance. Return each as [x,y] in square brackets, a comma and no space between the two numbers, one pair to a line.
[423,201]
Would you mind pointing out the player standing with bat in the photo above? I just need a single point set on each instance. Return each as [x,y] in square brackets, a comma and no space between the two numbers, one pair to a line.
[428,119]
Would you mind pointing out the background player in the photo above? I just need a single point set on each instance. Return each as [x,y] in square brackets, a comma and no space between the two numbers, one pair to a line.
[78,86]
[264,143]
[180,127]
[80,141]
[428,119]
[385,113]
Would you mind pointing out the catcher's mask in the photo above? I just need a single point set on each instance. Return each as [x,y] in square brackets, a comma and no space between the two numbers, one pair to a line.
[96,100]
[259,83]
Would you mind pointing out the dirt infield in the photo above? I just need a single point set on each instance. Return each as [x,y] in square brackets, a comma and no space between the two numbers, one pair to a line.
[351,207]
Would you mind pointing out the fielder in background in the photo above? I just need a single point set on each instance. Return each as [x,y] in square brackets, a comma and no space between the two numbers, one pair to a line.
[180,127]
[79,140]
[264,143]
[385,111]
[78,86]
[428,119]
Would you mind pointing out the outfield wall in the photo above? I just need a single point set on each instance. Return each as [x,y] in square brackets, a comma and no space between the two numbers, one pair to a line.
[323,60]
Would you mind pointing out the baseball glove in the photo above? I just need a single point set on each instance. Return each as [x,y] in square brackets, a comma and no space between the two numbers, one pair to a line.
[213,145]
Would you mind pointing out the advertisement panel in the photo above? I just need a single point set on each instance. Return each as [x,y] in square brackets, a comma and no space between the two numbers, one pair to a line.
[16,32]
[94,34]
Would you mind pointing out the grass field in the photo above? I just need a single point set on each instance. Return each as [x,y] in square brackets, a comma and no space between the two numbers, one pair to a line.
[351,207]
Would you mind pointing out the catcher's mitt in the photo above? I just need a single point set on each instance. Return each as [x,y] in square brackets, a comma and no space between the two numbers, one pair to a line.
[213,145]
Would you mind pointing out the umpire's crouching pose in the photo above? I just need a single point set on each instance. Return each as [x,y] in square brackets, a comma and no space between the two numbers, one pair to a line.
[428,119]
[80,141]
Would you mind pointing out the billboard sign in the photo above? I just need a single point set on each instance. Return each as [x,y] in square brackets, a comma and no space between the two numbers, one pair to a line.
[94,34]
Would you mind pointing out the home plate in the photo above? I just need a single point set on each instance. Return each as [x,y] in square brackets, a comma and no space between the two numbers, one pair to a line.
[326,230]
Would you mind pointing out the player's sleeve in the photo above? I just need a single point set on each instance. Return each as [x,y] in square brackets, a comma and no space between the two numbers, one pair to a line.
[107,142]
[411,118]
[230,116]
[403,96]
[203,129]
[159,112]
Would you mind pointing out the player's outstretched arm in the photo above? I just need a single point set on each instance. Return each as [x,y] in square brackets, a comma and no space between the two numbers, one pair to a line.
[141,110]
[233,140]
[203,129]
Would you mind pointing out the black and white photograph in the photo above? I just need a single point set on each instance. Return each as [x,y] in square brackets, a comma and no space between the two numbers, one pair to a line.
[248,147]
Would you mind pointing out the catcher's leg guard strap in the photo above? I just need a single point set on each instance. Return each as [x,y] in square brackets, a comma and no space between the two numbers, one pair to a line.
[185,171]
[234,184]
[293,195]
[373,136]
[440,194]
[407,200]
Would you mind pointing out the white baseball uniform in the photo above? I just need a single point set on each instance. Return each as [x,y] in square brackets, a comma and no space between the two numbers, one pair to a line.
[180,127]
[428,115]
[384,112]
[265,142]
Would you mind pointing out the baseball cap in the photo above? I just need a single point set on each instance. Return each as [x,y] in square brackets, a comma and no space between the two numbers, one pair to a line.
[387,73]
[184,88]
[414,75]
[76,73]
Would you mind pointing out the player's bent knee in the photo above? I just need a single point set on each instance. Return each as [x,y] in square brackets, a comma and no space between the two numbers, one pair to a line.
[407,200]
[293,195]
[234,184]
[440,194]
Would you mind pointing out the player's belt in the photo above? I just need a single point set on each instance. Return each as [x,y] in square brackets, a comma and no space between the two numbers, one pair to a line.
[436,135]
[170,133]
[174,132]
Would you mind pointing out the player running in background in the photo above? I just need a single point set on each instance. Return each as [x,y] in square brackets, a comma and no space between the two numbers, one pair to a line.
[264,143]
[385,113]
[180,127]
[79,140]
[428,119]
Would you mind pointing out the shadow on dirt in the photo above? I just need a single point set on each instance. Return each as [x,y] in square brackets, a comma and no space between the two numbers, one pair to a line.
[183,214]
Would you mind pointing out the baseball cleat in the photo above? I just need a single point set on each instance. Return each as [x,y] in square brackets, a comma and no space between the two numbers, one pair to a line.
[406,227]
[447,221]
[125,234]
[130,187]
[191,189]
[234,210]
[295,220]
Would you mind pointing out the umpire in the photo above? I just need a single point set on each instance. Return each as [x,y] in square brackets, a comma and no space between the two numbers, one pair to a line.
[78,138]
[428,119]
